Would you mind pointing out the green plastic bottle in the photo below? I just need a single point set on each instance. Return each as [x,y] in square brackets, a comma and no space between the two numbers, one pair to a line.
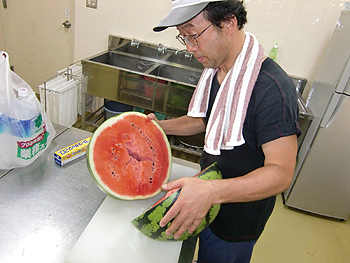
[274,51]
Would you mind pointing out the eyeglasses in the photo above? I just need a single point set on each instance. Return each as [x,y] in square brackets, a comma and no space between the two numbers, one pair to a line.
[190,39]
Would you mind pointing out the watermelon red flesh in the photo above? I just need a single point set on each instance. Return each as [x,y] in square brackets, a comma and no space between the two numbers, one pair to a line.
[130,156]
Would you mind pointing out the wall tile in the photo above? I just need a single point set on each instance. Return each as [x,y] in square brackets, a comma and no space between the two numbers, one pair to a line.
[275,7]
[286,10]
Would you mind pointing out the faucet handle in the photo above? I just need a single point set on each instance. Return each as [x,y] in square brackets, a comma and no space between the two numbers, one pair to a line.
[134,43]
[188,55]
[161,48]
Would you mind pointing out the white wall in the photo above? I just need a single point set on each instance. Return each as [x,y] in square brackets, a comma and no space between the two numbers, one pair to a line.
[2,35]
[301,27]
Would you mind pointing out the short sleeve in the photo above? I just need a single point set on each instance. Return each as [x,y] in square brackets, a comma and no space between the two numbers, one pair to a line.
[276,111]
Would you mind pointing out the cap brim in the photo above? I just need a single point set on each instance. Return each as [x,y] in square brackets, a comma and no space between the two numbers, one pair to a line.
[180,15]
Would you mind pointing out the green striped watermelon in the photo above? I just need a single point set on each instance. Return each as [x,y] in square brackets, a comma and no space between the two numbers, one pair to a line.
[129,156]
[148,222]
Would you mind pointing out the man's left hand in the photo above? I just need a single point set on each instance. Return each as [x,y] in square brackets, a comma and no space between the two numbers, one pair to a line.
[190,208]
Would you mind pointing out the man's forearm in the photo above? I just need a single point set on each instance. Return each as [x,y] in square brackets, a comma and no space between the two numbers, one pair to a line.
[183,125]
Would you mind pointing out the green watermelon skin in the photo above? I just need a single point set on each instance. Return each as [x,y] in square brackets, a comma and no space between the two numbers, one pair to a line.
[148,222]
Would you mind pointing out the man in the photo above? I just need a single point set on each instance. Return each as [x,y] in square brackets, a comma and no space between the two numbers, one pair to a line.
[247,106]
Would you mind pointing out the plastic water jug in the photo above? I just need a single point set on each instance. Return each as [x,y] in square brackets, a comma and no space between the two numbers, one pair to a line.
[28,121]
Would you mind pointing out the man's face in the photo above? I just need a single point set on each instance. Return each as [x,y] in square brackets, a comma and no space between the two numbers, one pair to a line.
[212,48]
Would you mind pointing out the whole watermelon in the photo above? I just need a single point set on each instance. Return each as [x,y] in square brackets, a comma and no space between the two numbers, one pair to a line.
[148,222]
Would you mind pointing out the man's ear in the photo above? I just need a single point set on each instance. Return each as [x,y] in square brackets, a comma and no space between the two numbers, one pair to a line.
[229,26]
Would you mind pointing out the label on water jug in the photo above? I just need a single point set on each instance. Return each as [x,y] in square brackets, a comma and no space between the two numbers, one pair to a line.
[25,128]
[28,149]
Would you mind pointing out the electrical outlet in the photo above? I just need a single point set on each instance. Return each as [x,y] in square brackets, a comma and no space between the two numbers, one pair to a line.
[91,3]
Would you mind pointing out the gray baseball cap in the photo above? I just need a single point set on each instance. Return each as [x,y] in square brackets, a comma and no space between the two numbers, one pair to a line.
[181,12]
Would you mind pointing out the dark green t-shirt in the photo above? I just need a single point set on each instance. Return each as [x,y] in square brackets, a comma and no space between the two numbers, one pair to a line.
[272,113]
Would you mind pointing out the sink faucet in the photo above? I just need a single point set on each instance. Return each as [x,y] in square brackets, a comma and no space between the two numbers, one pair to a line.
[135,43]
[187,54]
[161,48]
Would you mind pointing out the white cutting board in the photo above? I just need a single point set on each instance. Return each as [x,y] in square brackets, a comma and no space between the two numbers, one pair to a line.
[111,238]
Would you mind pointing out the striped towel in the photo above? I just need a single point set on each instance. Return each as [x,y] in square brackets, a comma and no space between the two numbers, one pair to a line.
[225,125]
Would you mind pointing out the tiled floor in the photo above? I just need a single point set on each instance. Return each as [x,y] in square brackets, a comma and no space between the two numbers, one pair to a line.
[296,237]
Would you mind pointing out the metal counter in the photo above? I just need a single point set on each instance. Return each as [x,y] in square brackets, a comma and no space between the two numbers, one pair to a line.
[44,207]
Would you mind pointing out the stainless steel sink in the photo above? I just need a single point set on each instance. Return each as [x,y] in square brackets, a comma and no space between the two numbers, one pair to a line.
[172,72]
[177,74]
[121,72]
[124,62]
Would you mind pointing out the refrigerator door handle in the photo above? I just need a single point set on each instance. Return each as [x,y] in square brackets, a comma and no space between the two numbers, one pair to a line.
[333,109]
[343,83]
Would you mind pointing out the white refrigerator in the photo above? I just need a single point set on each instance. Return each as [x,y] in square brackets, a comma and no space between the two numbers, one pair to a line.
[321,184]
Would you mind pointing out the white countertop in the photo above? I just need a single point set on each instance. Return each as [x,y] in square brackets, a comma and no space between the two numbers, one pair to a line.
[110,236]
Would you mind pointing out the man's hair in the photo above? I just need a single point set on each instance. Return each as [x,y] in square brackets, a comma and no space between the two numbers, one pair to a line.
[221,11]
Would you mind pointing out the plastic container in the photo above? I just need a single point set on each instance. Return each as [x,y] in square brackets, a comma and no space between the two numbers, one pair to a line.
[28,121]
[114,108]
[180,95]
[150,86]
[274,51]
[131,81]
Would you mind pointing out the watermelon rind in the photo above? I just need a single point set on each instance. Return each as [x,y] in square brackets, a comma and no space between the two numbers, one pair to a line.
[91,166]
[148,222]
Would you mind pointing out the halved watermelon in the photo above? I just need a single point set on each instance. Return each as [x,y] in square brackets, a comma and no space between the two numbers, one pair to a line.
[148,222]
[129,156]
